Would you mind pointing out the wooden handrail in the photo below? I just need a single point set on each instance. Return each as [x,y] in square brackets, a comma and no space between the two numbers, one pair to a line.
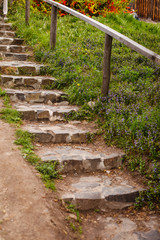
[118,36]
[109,35]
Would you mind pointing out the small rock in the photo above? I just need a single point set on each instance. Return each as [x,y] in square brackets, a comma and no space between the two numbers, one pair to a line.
[73,216]
[91,104]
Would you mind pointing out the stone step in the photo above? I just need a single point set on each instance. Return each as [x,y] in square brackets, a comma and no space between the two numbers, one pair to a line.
[58,133]
[103,191]
[9,34]
[43,112]
[1,19]
[78,159]
[14,48]
[7,56]
[36,96]
[10,41]
[5,26]
[33,82]
[20,68]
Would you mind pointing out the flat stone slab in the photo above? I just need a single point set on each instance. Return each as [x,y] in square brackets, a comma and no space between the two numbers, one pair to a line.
[20,68]
[29,82]
[36,96]
[14,48]
[44,112]
[100,191]
[7,56]
[58,133]
[79,159]
[123,228]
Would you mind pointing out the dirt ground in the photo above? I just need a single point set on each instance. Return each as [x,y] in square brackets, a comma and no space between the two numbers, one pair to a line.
[28,211]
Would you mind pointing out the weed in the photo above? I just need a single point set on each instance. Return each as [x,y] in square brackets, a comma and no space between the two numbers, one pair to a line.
[73,227]
[48,173]
[25,139]
[2,93]
[48,170]
[76,226]
[73,209]
[10,115]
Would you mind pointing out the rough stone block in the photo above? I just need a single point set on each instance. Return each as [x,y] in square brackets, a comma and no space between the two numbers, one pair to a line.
[28,115]
[87,200]
[43,115]
[43,137]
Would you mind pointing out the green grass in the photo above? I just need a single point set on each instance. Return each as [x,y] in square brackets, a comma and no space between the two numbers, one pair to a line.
[130,116]
[48,171]
[7,113]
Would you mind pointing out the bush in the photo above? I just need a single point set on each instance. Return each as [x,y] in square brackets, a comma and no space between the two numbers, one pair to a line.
[88,7]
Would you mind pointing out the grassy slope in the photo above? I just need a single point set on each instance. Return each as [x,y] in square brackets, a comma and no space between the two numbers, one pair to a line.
[130,116]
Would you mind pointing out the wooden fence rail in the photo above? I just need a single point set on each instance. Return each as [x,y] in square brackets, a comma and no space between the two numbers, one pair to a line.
[109,35]
[147,8]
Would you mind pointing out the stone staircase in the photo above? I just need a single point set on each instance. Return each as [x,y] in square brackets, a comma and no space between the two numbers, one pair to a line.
[89,182]
[26,89]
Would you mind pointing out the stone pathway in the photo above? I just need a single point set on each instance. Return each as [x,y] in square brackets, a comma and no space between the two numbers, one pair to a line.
[89,182]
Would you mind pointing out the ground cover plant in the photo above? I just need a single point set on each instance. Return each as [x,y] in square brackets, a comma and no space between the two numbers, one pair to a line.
[129,116]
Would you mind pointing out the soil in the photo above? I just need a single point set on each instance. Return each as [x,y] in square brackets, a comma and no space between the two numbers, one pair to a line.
[28,210]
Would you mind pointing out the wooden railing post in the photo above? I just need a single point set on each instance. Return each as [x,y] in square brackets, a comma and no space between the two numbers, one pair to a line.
[53,32]
[5,8]
[106,65]
[27,12]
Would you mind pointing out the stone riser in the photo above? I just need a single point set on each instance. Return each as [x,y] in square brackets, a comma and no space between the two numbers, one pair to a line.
[73,160]
[14,48]
[8,34]
[25,82]
[14,56]
[47,113]
[19,68]
[11,41]
[35,97]
[41,116]
[59,133]
[5,27]
[90,201]
[103,192]
[49,137]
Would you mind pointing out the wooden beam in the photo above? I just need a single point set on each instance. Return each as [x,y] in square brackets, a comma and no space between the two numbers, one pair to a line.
[106,65]
[27,11]
[53,32]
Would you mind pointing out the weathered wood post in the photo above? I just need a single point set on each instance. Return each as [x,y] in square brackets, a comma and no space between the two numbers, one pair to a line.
[53,32]
[5,8]
[106,65]
[27,12]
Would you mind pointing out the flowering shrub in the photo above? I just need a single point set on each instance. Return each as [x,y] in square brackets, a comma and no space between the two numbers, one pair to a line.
[87,7]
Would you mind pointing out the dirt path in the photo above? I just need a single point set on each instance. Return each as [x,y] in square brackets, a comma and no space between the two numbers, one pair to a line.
[26,212]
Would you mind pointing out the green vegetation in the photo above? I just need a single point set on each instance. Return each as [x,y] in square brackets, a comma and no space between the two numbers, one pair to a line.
[10,115]
[130,116]
[48,173]
[25,139]
[48,170]
[74,225]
